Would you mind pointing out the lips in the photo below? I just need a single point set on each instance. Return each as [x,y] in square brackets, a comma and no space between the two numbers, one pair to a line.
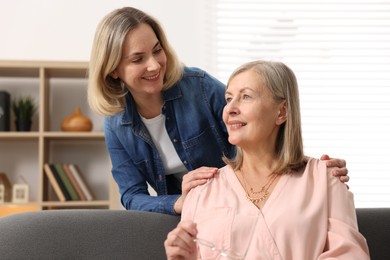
[236,125]
[153,77]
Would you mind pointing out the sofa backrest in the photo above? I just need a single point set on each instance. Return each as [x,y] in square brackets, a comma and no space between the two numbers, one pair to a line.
[85,234]
[121,234]
[374,224]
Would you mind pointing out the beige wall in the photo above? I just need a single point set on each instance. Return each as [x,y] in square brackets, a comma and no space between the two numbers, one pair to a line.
[64,29]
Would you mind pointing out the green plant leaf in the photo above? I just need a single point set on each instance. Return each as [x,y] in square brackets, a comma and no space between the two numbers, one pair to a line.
[24,108]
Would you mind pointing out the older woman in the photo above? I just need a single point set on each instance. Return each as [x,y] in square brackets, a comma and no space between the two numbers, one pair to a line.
[270,201]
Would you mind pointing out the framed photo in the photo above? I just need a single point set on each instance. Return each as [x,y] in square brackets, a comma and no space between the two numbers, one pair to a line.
[20,193]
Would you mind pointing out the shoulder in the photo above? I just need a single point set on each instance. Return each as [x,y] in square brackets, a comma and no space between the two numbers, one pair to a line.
[319,171]
[219,180]
[197,74]
[225,171]
[193,72]
[110,121]
[315,165]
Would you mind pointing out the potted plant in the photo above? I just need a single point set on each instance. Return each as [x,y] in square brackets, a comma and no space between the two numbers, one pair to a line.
[24,108]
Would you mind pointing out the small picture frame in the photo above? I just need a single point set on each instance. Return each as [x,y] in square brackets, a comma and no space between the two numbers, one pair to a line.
[20,193]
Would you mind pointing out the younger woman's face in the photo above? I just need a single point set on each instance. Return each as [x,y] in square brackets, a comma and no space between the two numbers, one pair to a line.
[143,63]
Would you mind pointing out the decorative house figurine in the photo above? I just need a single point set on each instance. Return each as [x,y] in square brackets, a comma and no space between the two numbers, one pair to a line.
[5,188]
[20,192]
[1,193]
[77,122]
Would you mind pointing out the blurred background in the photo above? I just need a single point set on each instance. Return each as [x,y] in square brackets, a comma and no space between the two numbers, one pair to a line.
[339,50]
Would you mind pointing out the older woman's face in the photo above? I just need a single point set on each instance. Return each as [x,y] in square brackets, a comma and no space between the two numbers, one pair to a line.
[143,63]
[251,114]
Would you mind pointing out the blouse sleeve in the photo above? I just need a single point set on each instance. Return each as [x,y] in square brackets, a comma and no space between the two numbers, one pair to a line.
[190,203]
[343,238]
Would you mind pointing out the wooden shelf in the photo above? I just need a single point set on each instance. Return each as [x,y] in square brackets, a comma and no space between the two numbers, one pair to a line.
[18,135]
[47,81]
[74,135]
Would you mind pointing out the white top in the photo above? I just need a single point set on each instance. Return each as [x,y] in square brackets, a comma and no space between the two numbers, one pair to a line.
[158,132]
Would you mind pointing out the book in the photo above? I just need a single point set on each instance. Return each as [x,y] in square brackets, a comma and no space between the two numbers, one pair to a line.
[7,187]
[74,182]
[54,183]
[59,181]
[68,185]
[5,107]
[77,174]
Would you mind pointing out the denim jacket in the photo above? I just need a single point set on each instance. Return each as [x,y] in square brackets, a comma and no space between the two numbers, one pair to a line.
[193,111]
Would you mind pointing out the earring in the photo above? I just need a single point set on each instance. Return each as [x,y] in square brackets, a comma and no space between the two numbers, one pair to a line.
[123,86]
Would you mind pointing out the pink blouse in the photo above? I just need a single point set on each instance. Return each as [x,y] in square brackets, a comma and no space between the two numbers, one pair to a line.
[309,215]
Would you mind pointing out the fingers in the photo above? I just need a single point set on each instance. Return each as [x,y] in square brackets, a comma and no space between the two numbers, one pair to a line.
[197,177]
[201,173]
[344,179]
[186,185]
[178,206]
[191,180]
[336,163]
[342,172]
[333,162]
[180,241]
[339,166]
[325,157]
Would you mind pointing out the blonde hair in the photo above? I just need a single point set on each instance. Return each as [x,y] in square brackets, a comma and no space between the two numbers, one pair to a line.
[282,84]
[106,94]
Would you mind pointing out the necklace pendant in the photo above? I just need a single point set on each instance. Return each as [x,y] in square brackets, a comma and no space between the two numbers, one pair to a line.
[258,196]
[257,192]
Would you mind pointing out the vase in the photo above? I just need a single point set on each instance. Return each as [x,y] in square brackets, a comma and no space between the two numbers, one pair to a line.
[23,125]
[76,122]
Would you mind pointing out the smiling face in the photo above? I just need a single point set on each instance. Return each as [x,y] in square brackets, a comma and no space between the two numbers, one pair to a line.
[143,63]
[251,115]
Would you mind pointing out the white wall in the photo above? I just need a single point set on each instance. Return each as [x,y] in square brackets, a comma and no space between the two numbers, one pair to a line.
[64,29]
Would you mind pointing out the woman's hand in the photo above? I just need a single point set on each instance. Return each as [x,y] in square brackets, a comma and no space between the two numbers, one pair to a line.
[191,180]
[340,171]
[180,242]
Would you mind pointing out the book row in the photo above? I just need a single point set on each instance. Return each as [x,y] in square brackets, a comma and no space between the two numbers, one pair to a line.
[67,182]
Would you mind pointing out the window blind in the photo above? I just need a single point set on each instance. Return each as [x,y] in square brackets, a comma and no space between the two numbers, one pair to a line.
[340,52]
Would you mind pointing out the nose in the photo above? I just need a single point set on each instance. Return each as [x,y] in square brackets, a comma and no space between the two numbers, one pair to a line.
[153,64]
[232,107]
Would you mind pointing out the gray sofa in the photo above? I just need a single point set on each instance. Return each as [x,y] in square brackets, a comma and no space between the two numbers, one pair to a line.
[119,234]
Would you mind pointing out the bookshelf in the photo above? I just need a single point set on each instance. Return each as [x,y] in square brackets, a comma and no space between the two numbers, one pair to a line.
[58,88]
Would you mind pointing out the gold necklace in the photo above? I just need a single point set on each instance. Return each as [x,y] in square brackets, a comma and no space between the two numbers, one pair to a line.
[257,200]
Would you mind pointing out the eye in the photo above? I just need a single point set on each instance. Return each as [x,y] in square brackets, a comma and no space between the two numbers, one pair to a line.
[228,99]
[246,96]
[158,51]
[137,60]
